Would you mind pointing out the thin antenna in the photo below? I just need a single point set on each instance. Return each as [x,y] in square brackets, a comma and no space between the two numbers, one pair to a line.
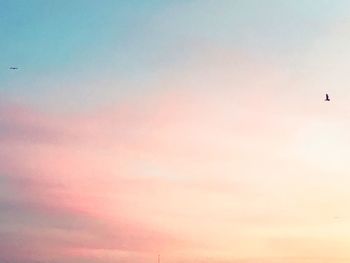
[158,258]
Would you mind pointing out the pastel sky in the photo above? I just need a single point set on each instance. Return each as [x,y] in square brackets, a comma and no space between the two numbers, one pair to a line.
[196,130]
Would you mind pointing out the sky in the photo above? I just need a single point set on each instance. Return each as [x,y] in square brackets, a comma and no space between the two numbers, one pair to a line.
[193,130]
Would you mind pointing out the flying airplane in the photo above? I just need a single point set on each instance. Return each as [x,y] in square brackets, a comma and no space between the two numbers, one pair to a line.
[13,68]
[327,97]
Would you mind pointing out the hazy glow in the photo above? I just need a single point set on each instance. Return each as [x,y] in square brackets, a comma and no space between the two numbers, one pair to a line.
[197,131]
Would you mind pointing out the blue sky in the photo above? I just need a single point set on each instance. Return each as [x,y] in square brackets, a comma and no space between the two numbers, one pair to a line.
[72,43]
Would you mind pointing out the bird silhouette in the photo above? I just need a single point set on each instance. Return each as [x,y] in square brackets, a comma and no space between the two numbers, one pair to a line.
[327,97]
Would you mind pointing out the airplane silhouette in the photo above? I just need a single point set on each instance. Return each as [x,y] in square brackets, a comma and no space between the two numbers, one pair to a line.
[327,97]
[13,68]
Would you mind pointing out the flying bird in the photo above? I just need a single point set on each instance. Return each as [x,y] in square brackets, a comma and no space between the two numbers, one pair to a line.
[13,68]
[327,97]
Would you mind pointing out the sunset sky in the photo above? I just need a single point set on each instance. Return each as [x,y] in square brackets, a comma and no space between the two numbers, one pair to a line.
[196,130]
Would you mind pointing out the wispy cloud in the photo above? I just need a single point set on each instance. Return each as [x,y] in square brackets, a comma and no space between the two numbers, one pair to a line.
[225,156]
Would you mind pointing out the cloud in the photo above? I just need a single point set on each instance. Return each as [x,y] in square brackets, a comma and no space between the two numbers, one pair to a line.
[48,187]
[210,161]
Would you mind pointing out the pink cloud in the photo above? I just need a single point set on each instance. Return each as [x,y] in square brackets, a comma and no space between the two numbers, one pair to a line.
[57,178]
[117,175]
[190,176]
